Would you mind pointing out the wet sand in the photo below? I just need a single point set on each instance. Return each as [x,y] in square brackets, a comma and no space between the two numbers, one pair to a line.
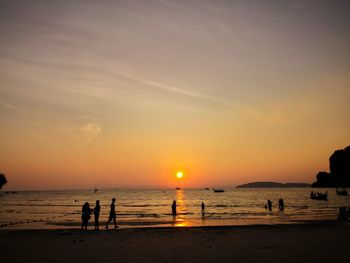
[310,242]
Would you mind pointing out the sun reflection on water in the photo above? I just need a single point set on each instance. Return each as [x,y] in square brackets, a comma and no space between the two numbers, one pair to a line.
[180,220]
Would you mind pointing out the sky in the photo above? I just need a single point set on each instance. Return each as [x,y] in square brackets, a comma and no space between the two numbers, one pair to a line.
[127,93]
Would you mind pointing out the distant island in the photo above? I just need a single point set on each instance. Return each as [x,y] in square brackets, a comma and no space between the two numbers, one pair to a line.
[273,185]
[339,166]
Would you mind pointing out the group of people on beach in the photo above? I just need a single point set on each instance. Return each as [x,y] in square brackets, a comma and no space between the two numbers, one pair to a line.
[280,205]
[87,211]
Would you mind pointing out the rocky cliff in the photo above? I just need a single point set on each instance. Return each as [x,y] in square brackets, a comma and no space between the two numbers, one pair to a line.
[339,175]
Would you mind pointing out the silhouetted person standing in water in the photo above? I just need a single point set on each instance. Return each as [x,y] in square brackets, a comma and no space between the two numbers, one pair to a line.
[97,214]
[203,209]
[173,208]
[269,205]
[281,204]
[85,215]
[112,215]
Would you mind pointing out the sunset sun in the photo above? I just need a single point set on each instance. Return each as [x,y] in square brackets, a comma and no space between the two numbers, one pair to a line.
[179,175]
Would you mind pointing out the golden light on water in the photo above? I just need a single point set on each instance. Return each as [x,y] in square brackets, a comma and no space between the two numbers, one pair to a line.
[179,175]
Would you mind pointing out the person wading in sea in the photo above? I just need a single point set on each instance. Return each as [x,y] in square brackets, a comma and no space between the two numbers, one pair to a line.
[203,209]
[112,215]
[173,208]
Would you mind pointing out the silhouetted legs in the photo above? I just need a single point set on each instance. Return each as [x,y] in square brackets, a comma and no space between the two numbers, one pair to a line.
[97,223]
[84,224]
[114,221]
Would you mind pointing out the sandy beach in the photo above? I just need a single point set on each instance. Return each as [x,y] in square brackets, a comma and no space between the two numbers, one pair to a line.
[310,242]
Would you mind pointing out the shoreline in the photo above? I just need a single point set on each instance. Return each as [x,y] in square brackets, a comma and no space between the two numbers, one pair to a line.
[76,228]
[178,223]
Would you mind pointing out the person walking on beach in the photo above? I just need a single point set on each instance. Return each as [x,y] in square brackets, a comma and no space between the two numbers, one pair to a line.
[97,214]
[173,208]
[112,215]
[85,215]
[203,209]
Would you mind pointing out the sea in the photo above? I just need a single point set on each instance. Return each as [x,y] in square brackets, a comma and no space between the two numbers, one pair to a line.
[152,208]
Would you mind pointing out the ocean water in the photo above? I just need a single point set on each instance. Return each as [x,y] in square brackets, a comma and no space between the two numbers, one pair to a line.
[138,208]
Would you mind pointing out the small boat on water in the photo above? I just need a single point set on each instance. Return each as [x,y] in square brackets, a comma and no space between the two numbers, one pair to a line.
[207,188]
[178,188]
[218,190]
[342,192]
[319,196]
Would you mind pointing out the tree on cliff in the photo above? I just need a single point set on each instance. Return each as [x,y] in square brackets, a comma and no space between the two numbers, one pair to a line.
[2,180]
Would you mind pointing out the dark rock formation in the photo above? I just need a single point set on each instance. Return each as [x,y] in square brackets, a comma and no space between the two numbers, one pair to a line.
[272,185]
[324,179]
[339,176]
[2,180]
[339,165]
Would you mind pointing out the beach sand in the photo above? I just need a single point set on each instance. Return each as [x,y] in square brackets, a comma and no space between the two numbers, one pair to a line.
[310,242]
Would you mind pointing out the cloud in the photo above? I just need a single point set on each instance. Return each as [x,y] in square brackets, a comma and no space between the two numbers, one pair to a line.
[90,131]
[9,105]
[82,134]
[196,95]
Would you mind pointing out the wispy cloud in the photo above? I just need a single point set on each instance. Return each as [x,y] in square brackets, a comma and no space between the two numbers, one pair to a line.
[117,99]
[82,134]
[9,105]
[197,95]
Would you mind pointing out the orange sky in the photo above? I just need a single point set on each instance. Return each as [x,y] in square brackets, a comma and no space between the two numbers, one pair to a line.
[124,94]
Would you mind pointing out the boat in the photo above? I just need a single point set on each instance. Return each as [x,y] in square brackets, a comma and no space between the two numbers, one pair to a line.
[218,190]
[342,192]
[319,196]
[207,188]
[178,188]
[95,189]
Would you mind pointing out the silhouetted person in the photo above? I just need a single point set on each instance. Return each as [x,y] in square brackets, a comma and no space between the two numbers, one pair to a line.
[112,215]
[85,215]
[203,209]
[97,214]
[173,208]
[269,205]
[281,204]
